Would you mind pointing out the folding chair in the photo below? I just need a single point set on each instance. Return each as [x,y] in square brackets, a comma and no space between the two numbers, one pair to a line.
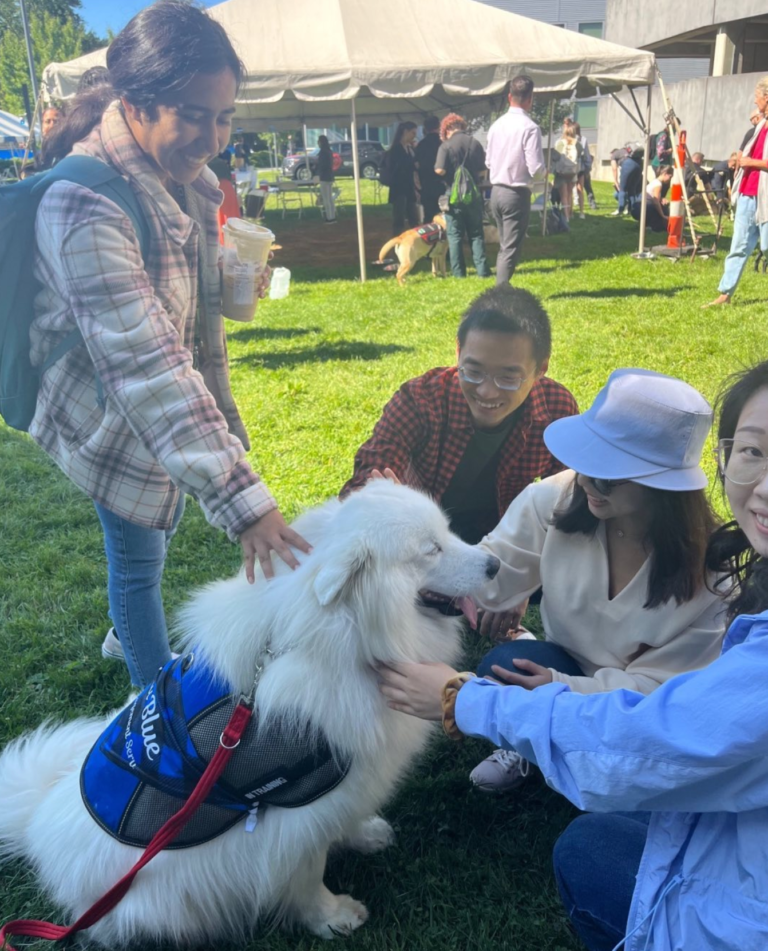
[289,196]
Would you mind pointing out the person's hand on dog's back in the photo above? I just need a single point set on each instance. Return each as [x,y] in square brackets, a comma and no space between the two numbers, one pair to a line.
[270,533]
[386,474]
[502,625]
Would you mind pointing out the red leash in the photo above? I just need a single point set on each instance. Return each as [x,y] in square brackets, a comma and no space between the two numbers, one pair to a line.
[229,739]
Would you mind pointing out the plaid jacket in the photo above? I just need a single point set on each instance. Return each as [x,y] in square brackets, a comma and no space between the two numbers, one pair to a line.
[427,425]
[165,427]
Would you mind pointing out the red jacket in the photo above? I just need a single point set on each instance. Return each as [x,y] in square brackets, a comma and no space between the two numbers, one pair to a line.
[425,429]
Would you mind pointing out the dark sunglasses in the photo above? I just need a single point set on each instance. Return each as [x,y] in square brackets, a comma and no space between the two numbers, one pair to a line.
[606,486]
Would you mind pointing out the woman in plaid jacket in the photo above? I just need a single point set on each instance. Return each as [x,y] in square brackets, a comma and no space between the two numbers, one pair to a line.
[153,335]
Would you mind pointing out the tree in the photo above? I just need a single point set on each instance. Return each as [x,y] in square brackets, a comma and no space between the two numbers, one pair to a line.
[53,40]
[10,12]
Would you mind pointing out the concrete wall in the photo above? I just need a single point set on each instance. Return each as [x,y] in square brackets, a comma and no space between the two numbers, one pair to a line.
[643,24]
[714,112]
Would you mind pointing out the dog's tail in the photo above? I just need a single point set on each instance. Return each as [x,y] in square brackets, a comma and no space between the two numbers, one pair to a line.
[29,769]
[388,247]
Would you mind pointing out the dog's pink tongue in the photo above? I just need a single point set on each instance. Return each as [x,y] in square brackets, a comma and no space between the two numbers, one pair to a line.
[469,609]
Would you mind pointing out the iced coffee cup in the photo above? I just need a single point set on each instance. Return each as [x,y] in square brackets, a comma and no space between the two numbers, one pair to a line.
[246,252]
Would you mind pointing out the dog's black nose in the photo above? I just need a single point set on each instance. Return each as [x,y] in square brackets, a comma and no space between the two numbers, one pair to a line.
[492,568]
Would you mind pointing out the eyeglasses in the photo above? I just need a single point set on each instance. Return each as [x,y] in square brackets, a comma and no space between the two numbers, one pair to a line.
[606,486]
[741,462]
[476,377]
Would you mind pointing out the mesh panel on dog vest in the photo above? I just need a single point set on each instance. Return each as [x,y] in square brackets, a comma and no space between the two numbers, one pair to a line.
[151,756]
[431,233]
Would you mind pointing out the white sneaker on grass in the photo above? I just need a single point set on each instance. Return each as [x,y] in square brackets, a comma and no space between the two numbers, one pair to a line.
[501,772]
[112,649]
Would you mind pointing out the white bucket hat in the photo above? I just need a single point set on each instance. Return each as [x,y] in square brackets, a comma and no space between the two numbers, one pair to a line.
[643,426]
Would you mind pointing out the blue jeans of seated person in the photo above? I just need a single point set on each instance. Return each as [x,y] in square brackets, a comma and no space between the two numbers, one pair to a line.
[540,652]
[596,861]
[630,183]
[746,233]
[135,563]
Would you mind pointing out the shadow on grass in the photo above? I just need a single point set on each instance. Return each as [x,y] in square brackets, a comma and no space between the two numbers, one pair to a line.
[272,333]
[523,269]
[624,292]
[343,350]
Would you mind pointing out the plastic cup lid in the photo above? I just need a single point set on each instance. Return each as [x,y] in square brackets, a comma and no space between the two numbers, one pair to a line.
[239,227]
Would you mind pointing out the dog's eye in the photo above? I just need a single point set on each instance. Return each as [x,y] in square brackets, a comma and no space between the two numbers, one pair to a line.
[436,550]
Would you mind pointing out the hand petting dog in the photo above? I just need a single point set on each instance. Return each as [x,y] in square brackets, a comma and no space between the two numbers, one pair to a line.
[415,689]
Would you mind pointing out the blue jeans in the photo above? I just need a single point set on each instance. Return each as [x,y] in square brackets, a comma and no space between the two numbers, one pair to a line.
[746,233]
[630,183]
[540,652]
[596,861]
[135,563]
[461,219]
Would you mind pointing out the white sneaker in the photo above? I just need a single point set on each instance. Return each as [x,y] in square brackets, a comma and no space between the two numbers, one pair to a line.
[111,647]
[582,215]
[501,772]
[614,214]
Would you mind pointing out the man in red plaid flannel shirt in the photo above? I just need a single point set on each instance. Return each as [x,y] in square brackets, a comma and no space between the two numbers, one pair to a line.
[471,435]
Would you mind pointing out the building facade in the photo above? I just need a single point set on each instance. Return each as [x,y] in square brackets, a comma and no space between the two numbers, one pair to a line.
[714,105]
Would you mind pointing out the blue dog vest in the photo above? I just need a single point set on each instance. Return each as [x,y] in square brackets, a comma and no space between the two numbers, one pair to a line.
[151,756]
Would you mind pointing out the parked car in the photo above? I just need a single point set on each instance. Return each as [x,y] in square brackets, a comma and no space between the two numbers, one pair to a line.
[369,152]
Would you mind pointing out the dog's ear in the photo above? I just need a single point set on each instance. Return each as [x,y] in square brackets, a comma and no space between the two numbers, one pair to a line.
[338,575]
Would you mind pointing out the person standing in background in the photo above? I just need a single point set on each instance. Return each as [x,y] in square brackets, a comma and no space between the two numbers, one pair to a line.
[750,197]
[515,160]
[584,184]
[459,148]
[402,187]
[431,184]
[325,174]
[567,167]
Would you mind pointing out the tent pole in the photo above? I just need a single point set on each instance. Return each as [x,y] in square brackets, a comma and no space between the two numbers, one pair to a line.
[358,200]
[549,162]
[641,252]
[30,57]
[306,153]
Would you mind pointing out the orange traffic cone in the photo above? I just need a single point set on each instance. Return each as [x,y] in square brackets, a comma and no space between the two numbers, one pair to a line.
[676,205]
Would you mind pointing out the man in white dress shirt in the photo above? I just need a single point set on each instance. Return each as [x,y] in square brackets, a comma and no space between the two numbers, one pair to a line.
[515,159]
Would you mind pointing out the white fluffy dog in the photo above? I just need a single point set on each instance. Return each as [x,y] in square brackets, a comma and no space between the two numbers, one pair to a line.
[352,604]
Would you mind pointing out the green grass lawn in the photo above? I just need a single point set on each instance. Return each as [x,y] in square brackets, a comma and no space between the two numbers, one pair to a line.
[311,375]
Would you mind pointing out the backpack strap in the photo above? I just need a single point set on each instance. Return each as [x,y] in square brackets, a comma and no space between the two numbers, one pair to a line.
[105,180]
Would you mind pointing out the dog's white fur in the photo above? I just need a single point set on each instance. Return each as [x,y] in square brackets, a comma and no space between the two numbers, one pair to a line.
[350,605]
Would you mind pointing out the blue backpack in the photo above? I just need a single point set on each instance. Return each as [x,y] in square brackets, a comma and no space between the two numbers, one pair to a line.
[19,380]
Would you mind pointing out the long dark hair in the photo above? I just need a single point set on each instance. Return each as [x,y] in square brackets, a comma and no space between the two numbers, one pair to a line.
[729,546]
[679,529]
[159,52]
[400,131]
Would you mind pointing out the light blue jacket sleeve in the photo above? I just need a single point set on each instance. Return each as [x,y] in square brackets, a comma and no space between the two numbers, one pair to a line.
[698,743]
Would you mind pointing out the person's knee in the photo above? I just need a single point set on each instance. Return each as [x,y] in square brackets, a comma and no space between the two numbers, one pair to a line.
[568,860]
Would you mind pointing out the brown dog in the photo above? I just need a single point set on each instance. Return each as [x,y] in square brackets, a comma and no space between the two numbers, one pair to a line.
[411,246]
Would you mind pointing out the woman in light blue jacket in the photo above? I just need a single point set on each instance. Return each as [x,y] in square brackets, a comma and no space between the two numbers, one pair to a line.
[693,874]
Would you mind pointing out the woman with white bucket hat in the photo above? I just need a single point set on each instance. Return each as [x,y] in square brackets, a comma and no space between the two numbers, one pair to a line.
[617,543]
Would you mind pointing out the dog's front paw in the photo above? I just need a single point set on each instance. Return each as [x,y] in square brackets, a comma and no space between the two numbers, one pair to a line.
[372,835]
[345,918]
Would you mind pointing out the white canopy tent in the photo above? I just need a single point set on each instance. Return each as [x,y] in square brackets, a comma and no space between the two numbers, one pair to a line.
[320,62]
[12,129]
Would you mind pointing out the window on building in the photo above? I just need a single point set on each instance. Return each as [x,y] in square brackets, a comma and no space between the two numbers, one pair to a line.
[585,114]
[592,29]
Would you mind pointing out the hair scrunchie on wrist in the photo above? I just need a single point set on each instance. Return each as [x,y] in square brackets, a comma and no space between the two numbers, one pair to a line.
[450,692]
